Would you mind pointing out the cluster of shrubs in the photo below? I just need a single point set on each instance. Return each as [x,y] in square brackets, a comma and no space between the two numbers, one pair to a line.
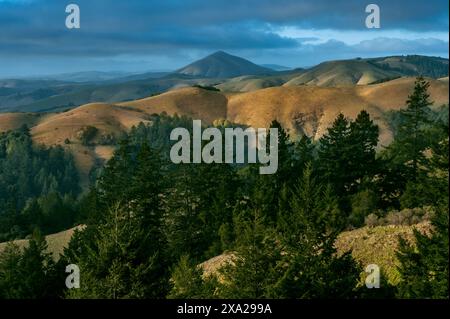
[87,134]
[206,87]
[108,139]
[406,217]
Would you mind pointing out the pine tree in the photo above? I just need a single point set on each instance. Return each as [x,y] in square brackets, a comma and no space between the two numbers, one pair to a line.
[424,266]
[116,261]
[188,282]
[431,186]
[335,154]
[310,267]
[199,202]
[10,285]
[28,274]
[251,272]
[364,139]
[113,184]
[184,227]
[411,139]
[347,153]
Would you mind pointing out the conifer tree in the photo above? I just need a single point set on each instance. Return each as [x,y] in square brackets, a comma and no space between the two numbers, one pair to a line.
[188,282]
[28,274]
[411,139]
[116,262]
[424,265]
[335,155]
[364,139]
[251,272]
[310,267]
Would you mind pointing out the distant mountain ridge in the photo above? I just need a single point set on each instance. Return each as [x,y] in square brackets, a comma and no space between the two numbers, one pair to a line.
[369,71]
[276,67]
[222,70]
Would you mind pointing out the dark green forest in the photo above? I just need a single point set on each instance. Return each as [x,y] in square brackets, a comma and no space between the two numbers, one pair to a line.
[150,222]
[38,186]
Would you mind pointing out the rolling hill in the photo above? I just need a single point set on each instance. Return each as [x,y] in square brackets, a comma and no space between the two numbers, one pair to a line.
[411,65]
[223,65]
[300,109]
[343,73]
[248,83]
[108,93]
[227,72]
[368,71]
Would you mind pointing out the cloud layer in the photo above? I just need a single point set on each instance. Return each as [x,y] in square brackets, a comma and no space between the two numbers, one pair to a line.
[172,32]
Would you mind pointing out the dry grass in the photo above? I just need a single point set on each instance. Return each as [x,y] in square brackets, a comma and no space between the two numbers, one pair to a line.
[211,266]
[56,242]
[368,245]
[190,101]
[341,73]
[378,245]
[11,121]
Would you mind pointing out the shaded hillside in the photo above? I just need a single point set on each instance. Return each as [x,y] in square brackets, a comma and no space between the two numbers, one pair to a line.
[378,245]
[250,83]
[411,65]
[366,71]
[343,73]
[109,93]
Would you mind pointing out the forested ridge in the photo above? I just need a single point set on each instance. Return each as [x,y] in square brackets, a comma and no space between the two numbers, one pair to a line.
[151,222]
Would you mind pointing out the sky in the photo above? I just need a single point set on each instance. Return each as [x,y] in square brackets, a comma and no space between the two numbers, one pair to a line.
[148,35]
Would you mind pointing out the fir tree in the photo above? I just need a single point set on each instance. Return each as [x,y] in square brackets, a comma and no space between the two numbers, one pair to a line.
[310,267]
[411,139]
[188,282]
[335,154]
[28,274]
[116,262]
[424,266]
[251,272]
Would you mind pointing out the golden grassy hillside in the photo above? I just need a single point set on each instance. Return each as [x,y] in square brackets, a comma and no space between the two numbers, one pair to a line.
[11,121]
[190,101]
[107,118]
[300,109]
[315,108]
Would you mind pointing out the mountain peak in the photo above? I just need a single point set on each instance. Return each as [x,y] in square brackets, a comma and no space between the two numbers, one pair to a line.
[220,53]
[223,65]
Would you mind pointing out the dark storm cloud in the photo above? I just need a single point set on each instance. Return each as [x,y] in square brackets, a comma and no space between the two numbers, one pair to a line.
[31,28]
[124,27]
[118,26]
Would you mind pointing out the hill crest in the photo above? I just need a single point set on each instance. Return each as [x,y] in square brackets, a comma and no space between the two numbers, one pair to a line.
[223,65]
